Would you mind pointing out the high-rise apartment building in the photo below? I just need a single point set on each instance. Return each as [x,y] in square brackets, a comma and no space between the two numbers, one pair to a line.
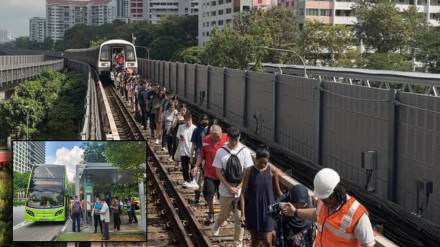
[122,9]
[218,14]
[28,153]
[137,10]
[264,4]
[157,9]
[37,29]
[5,36]
[341,11]
[64,14]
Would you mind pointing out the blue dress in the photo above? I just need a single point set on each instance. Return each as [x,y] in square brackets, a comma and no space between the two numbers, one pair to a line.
[259,195]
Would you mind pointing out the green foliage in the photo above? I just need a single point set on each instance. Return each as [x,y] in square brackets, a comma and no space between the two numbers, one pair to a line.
[327,42]
[65,117]
[93,152]
[237,46]
[50,106]
[381,25]
[127,155]
[388,61]
[20,181]
[164,47]
[192,55]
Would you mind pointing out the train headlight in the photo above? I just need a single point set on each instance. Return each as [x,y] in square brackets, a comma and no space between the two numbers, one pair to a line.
[30,213]
[105,64]
[59,212]
[131,64]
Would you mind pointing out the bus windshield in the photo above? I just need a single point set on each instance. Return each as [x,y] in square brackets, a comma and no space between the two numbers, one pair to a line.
[49,172]
[45,193]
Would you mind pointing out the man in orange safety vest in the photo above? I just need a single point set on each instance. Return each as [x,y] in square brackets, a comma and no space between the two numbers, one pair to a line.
[340,219]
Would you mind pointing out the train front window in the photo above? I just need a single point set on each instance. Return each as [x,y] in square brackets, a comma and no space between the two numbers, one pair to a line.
[130,53]
[104,53]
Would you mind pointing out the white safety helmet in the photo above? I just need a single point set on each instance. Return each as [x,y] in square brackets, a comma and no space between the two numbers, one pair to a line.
[325,182]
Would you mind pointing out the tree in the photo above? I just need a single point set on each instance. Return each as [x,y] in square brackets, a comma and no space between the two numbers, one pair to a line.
[15,113]
[388,61]
[164,47]
[128,156]
[20,182]
[192,55]
[428,45]
[94,152]
[239,45]
[380,25]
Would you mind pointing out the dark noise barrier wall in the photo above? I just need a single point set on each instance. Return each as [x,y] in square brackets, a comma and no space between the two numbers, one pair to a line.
[326,123]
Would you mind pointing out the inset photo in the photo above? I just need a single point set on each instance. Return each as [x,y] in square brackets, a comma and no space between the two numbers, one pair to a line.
[79,191]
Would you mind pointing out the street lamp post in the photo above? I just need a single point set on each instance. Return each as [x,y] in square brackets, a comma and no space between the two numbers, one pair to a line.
[291,51]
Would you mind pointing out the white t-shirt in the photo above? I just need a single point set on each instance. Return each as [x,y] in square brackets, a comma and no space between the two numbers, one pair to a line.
[185,147]
[221,158]
[105,217]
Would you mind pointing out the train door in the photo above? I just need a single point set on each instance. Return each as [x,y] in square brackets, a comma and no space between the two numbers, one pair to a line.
[118,62]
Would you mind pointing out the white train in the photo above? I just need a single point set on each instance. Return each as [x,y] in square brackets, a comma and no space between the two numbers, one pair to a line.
[102,58]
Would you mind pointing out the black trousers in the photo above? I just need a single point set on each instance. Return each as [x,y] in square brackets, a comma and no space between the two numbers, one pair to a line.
[133,214]
[143,115]
[97,220]
[116,221]
[186,168]
[76,221]
[152,116]
[171,145]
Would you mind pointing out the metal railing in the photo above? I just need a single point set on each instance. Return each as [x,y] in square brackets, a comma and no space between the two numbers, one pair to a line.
[91,129]
[414,82]
[11,60]
[11,74]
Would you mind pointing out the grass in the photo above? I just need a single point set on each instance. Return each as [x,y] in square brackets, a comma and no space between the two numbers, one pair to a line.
[114,236]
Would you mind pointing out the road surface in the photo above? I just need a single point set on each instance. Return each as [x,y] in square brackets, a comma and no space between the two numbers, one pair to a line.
[37,231]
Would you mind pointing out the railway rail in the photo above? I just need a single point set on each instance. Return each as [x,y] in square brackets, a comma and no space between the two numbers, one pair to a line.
[173,220]
[125,124]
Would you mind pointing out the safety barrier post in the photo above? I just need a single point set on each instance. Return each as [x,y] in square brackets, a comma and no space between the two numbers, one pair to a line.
[275,107]
[319,121]
[196,84]
[208,86]
[224,91]
[184,80]
[393,146]
[245,99]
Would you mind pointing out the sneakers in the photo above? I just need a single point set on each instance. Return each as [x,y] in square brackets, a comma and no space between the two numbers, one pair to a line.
[215,230]
[192,185]
[157,141]
[185,184]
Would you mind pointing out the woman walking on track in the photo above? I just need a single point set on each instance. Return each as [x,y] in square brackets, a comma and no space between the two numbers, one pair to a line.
[259,183]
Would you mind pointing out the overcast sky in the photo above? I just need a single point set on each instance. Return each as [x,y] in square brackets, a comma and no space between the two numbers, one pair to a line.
[15,15]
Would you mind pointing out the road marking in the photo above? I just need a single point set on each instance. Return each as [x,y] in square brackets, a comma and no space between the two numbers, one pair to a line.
[65,225]
[20,225]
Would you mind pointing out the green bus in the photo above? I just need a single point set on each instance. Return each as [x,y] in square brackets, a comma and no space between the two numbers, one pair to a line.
[47,196]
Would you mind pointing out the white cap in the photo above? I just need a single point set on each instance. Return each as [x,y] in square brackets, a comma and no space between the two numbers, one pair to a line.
[325,182]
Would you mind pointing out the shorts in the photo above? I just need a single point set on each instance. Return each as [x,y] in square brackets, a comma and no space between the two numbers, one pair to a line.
[210,187]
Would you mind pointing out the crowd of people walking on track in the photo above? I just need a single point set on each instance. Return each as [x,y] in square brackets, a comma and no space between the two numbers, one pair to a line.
[219,167]
[100,212]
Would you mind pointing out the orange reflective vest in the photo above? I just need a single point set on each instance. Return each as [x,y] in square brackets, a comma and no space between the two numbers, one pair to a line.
[337,229]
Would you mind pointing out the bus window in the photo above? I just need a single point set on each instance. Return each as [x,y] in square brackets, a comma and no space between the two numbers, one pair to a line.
[45,194]
[130,53]
[104,53]
[49,172]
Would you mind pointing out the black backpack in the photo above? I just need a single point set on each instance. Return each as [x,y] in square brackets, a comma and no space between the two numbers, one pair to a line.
[233,172]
